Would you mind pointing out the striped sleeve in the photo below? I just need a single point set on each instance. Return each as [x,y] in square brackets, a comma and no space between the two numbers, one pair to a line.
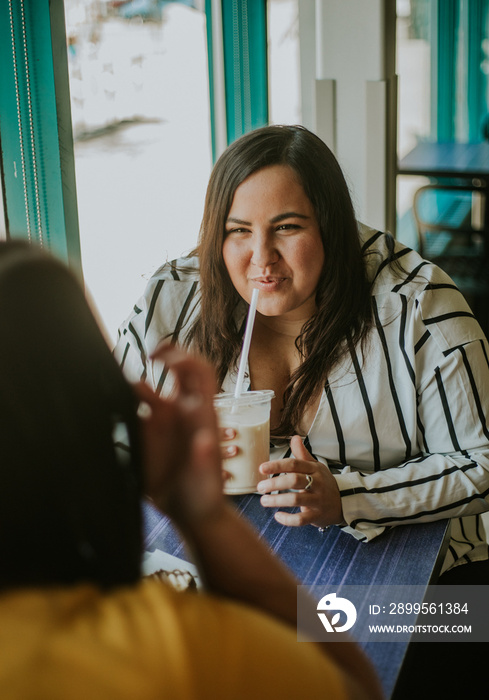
[408,415]
[449,475]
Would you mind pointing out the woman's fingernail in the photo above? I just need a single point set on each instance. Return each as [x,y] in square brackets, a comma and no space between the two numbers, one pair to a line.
[265,500]
[144,410]
[229,432]
[191,402]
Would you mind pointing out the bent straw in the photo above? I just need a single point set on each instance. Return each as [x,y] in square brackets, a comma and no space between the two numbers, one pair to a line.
[246,342]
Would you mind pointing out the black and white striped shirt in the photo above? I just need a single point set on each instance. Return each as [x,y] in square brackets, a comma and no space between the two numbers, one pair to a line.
[408,419]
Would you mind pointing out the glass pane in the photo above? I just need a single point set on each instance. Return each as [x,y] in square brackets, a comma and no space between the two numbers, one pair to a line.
[140,109]
[413,68]
[414,71]
[283,59]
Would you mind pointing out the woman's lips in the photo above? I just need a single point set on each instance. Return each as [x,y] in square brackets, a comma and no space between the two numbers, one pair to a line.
[268,283]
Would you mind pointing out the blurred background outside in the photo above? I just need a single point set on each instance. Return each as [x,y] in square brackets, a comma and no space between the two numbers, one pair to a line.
[141,120]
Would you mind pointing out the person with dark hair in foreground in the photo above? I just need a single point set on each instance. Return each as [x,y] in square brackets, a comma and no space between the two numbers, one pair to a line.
[76,619]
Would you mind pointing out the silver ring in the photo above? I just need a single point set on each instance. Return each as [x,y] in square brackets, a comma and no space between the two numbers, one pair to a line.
[309,482]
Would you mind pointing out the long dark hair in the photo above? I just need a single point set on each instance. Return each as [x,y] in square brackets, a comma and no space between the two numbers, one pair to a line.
[69,497]
[344,309]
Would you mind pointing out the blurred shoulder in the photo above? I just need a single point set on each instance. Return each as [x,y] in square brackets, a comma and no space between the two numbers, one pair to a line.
[169,290]
[178,270]
[167,307]
[396,268]
[406,286]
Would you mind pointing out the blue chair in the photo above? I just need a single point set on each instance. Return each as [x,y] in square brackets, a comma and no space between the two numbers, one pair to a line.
[450,224]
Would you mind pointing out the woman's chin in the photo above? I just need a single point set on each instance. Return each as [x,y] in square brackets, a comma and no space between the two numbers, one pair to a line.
[272,310]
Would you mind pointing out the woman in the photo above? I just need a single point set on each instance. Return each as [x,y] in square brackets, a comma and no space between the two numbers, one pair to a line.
[76,621]
[374,356]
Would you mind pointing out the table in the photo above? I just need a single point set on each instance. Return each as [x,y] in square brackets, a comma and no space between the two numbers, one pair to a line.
[465,160]
[403,555]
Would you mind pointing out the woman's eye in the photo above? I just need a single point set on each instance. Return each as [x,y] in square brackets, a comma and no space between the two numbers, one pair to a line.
[236,231]
[288,227]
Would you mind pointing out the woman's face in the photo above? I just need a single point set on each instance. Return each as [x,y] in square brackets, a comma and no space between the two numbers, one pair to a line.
[273,243]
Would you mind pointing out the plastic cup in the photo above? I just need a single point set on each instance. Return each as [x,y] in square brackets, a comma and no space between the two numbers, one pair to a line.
[249,415]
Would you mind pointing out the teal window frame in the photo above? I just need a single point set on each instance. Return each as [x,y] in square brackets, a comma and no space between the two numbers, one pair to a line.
[36,139]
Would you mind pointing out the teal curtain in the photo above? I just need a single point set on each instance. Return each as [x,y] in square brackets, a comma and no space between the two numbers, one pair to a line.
[477,67]
[244,43]
[459,69]
[444,65]
[35,128]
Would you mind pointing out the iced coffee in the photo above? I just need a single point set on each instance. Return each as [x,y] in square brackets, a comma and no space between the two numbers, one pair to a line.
[249,415]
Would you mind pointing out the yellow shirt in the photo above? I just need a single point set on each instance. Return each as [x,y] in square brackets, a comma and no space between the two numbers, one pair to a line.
[151,641]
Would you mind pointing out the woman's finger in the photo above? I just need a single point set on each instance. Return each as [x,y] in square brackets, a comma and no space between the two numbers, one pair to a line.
[307,517]
[193,375]
[229,451]
[227,434]
[291,499]
[292,480]
[280,466]
[299,450]
[145,393]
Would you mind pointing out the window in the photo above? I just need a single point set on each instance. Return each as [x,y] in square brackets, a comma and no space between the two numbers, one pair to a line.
[141,124]
[414,66]
[443,69]
[284,62]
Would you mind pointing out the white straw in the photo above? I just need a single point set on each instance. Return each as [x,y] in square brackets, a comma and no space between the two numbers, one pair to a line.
[246,342]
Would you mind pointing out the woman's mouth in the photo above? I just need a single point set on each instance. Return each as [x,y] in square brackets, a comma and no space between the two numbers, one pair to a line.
[268,283]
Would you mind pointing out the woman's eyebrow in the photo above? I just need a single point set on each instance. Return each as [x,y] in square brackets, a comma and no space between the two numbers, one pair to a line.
[288,215]
[232,220]
[274,220]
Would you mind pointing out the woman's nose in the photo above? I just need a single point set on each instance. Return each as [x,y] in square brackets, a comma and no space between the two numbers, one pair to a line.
[264,252]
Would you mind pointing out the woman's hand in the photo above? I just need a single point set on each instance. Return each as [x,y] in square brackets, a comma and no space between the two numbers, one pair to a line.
[316,493]
[181,450]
